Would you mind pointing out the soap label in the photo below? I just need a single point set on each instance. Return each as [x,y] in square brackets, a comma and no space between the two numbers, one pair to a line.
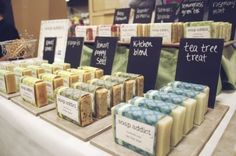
[66,81]
[68,107]
[198,32]
[127,31]
[27,93]
[49,88]
[135,133]
[2,84]
[161,30]
[104,30]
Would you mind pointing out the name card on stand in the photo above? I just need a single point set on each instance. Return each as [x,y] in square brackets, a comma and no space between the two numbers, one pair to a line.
[199,61]
[144,56]
[165,13]
[49,49]
[74,50]
[122,16]
[58,29]
[104,53]
[223,10]
[191,10]
[143,15]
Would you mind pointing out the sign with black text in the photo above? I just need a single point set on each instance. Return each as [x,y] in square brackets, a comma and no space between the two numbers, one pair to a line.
[165,13]
[223,10]
[199,61]
[144,56]
[122,16]
[104,53]
[191,10]
[49,49]
[143,15]
[73,51]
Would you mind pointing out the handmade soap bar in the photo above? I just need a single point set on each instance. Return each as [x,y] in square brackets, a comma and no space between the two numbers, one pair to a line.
[194,87]
[7,82]
[175,111]
[74,105]
[142,130]
[99,98]
[130,30]
[50,68]
[138,78]
[53,82]
[19,72]
[114,91]
[201,29]
[128,86]
[68,77]
[34,91]
[177,32]
[201,99]
[36,70]
[163,30]
[6,65]
[96,72]
[188,103]
[62,66]
[89,33]
[84,75]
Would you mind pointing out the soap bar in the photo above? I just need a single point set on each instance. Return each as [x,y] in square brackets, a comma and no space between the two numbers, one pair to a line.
[99,98]
[163,30]
[175,111]
[6,65]
[74,105]
[62,66]
[84,75]
[53,82]
[138,78]
[89,33]
[200,29]
[19,72]
[50,68]
[130,30]
[142,130]
[201,99]
[104,30]
[194,87]
[68,77]
[34,91]
[36,70]
[96,72]
[177,32]
[7,82]
[188,103]
[128,86]
[114,91]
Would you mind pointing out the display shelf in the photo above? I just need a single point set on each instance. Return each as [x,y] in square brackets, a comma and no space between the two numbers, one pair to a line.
[191,144]
[83,133]
[9,96]
[32,109]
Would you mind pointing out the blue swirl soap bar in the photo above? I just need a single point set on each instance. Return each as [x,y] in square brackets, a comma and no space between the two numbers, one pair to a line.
[188,103]
[200,97]
[192,86]
[142,130]
[175,111]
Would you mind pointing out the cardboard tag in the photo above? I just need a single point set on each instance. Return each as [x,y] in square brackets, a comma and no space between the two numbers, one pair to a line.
[191,10]
[103,53]
[74,50]
[144,56]
[121,16]
[199,62]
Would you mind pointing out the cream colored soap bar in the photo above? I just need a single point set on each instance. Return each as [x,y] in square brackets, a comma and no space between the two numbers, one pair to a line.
[19,72]
[139,81]
[6,65]
[114,91]
[84,75]
[68,77]
[34,91]
[62,66]
[50,68]
[128,86]
[175,111]
[96,72]
[130,30]
[36,70]
[150,130]
[74,105]
[53,82]
[99,98]
[188,103]
[201,99]
[7,82]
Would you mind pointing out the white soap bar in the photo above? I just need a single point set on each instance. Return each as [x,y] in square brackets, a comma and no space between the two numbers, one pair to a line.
[142,130]
[188,103]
